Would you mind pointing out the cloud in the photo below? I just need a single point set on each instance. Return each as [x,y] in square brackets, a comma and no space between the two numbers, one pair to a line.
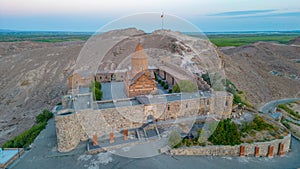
[241,13]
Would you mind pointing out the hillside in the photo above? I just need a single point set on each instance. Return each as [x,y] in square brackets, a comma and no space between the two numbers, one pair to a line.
[265,71]
[295,41]
[33,77]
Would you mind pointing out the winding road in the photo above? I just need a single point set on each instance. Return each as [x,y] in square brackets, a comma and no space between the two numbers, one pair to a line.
[268,107]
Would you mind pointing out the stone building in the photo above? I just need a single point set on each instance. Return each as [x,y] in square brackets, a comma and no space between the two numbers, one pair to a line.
[82,117]
[139,80]
[77,79]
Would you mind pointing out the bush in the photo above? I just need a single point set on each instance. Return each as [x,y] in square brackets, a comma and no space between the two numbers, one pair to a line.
[163,83]
[98,94]
[96,85]
[226,133]
[27,137]
[166,86]
[170,90]
[159,80]
[44,116]
[288,110]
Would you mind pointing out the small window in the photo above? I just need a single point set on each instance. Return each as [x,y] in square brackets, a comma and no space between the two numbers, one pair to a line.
[226,103]
[100,77]
[186,106]
[207,102]
[168,107]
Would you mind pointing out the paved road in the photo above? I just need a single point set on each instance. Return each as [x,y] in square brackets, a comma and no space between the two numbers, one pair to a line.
[44,155]
[270,106]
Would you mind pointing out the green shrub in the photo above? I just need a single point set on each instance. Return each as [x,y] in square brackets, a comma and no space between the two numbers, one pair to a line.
[97,93]
[96,85]
[288,110]
[163,83]
[159,80]
[170,90]
[166,86]
[27,137]
[44,116]
[226,133]
[206,78]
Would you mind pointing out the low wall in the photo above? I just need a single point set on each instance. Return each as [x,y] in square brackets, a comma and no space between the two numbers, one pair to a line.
[249,149]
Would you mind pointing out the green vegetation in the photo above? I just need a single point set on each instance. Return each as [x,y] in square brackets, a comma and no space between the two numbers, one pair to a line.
[50,37]
[185,86]
[226,133]
[206,78]
[26,138]
[239,97]
[95,87]
[155,75]
[286,124]
[166,86]
[258,124]
[44,116]
[244,39]
[259,130]
[285,107]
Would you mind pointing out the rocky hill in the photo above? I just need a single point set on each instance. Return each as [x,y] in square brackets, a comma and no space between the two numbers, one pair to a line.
[265,71]
[33,77]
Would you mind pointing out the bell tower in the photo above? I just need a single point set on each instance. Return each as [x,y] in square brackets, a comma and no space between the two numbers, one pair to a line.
[139,60]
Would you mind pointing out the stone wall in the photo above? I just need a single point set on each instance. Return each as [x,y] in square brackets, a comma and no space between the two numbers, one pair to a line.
[69,132]
[249,149]
[83,124]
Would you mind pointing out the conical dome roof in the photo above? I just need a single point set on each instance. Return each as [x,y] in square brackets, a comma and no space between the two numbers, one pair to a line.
[139,52]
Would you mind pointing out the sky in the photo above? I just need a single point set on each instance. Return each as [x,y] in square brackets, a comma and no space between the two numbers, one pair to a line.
[207,15]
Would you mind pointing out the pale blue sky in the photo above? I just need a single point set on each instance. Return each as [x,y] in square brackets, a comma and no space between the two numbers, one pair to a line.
[208,15]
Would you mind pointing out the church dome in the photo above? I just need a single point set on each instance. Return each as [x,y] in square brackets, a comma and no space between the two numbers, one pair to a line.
[139,59]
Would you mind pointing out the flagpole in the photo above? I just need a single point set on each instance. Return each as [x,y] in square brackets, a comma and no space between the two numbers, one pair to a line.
[162,21]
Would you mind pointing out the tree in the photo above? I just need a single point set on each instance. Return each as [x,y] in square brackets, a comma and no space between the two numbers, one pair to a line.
[166,86]
[95,87]
[44,116]
[98,94]
[185,86]
[226,133]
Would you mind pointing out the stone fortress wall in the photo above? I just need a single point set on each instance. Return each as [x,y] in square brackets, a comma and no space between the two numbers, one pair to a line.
[258,149]
[73,127]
